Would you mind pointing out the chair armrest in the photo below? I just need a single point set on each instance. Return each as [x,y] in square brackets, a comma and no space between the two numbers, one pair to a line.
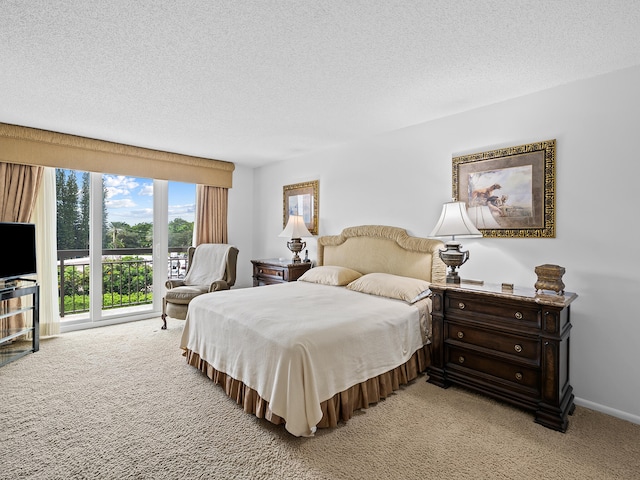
[173,283]
[219,285]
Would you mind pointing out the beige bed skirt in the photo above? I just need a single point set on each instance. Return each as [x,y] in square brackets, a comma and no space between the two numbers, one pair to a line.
[338,408]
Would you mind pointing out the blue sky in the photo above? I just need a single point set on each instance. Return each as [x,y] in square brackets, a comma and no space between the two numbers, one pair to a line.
[130,199]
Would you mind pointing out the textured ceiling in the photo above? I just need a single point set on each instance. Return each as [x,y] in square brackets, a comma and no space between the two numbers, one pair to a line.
[257,81]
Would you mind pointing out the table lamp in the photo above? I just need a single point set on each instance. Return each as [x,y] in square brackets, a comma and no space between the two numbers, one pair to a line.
[454,222]
[296,229]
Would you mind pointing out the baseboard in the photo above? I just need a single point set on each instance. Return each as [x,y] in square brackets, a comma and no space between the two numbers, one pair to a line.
[608,410]
[72,326]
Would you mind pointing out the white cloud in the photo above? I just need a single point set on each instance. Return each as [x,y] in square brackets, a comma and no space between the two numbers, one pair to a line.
[123,203]
[181,209]
[146,190]
[145,214]
[119,185]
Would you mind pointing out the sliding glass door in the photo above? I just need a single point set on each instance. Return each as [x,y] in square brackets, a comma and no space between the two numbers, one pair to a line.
[125,227]
[113,245]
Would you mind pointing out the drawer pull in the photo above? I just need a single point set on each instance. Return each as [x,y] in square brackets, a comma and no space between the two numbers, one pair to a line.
[461,306]
[461,359]
[280,274]
[518,315]
[518,348]
[518,376]
[460,334]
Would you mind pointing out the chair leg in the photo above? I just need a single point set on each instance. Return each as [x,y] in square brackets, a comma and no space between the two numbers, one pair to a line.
[164,314]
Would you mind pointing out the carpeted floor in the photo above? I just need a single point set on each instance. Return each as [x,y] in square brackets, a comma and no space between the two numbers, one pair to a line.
[120,402]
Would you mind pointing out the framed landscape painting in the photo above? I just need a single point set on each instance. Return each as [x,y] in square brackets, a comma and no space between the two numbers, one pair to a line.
[509,192]
[301,199]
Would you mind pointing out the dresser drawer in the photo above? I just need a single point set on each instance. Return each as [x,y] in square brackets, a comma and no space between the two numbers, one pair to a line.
[517,346]
[470,306]
[515,375]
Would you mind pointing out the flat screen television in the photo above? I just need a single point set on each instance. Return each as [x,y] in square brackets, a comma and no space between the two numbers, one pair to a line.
[18,247]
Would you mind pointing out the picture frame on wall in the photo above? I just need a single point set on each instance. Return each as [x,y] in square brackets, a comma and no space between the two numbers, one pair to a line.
[301,199]
[509,192]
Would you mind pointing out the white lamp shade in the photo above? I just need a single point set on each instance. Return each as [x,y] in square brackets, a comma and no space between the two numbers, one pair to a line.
[454,222]
[295,228]
[482,217]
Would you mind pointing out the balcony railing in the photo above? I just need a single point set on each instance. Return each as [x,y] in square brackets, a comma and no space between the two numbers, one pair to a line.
[126,281]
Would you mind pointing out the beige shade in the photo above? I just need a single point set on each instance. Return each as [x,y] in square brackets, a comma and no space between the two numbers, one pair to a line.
[482,217]
[454,222]
[295,228]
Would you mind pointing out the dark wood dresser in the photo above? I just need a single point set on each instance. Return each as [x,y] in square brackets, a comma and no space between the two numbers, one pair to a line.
[274,270]
[510,344]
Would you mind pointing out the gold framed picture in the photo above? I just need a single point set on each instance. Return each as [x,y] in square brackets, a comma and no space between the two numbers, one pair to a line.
[509,192]
[301,199]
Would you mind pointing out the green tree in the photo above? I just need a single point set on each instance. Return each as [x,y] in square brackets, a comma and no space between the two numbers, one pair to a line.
[180,233]
[123,235]
[66,203]
[60,187]
[127,275]
[142,235]
[72,214]
[115,234]
[76,281]
[82,236]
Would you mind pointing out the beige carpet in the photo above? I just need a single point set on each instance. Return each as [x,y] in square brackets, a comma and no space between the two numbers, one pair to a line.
[120,402]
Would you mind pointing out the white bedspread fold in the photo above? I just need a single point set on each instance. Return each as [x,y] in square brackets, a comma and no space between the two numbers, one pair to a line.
[298,344]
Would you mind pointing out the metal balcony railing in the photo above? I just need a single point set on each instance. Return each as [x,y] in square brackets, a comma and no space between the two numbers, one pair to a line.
[126,281]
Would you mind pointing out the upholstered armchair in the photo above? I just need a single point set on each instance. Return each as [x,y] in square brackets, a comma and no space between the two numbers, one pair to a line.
[211,268]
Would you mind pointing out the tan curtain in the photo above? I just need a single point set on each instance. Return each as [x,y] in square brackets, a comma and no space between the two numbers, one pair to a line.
[211,215]
[19,186]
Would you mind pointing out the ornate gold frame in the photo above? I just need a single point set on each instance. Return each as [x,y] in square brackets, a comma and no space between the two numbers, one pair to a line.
[307,195]
[536,158]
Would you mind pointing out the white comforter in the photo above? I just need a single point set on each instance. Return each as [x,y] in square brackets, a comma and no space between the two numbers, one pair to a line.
[298,344]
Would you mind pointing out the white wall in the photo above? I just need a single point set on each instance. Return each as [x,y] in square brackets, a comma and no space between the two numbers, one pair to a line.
[240,223]
[403,177]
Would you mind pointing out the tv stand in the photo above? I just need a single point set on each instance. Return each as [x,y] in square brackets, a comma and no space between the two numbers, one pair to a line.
[16,289]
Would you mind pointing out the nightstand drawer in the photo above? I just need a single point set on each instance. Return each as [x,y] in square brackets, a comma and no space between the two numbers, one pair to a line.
[471,306]
[517,346]
[269,272]
[272,272]
[457,358]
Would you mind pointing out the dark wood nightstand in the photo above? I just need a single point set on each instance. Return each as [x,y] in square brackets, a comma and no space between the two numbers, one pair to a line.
[274,270]
[512,345]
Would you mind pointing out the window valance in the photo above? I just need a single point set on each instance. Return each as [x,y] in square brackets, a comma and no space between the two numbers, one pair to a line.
[32,146]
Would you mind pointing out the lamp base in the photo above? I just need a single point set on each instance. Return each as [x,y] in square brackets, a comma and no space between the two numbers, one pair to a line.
[453,277]
[453,257]
[296,245]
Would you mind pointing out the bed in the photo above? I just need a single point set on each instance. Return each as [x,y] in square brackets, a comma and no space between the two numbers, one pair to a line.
[310,353]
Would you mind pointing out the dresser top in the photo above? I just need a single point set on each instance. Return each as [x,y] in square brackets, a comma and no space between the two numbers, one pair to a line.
[520,293]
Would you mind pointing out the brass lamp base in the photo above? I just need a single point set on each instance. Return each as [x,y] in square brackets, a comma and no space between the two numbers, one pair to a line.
[453,257]
[296,245]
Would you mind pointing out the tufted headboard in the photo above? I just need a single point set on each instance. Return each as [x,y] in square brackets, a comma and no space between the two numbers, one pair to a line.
[378,248]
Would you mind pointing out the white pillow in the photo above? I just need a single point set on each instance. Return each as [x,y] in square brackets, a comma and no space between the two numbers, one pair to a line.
[330,275]
[390,286]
